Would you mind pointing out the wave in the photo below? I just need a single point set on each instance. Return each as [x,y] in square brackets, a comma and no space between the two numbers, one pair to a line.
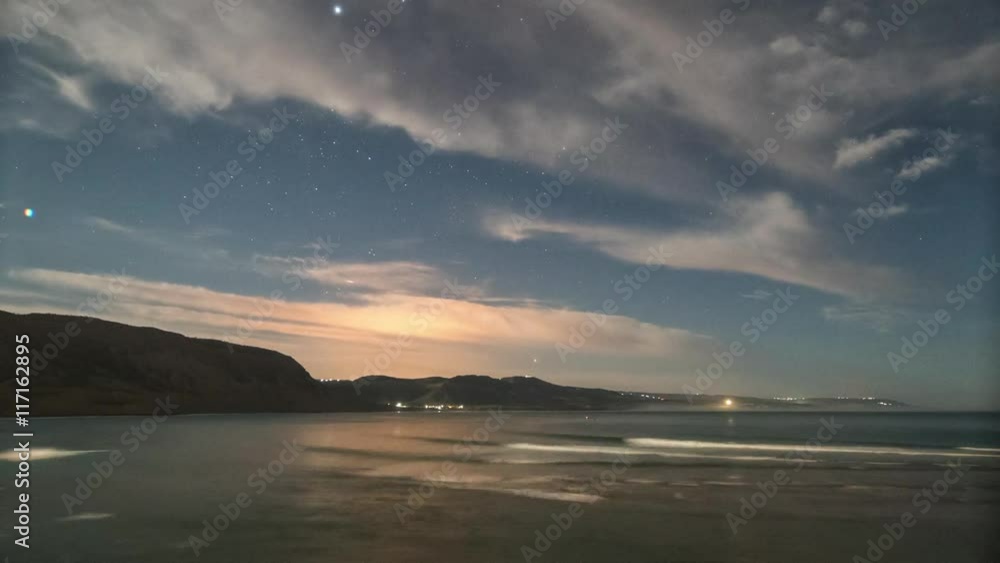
[660,443]
[85,516]
[47,453]
[548,495]
[609,450]
[632,451]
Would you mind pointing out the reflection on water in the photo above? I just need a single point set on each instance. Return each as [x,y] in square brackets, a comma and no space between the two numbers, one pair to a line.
[453,486]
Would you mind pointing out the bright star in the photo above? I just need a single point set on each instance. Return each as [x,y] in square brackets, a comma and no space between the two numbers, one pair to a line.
[29,212]
[337,9]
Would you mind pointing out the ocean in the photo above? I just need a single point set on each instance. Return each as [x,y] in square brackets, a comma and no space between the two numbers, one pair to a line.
[503,486]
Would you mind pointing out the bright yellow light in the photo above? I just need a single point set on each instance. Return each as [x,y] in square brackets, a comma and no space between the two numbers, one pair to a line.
[729,402]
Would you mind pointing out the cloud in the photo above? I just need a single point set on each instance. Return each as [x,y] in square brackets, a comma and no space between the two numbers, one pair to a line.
[828,14]
[835,10]
[609,55]
[913,170]
[786,45]
[768,237]
[71,88]
[336,339]
[895,210]
[43,100]
[854,28]
[757,295]
[187,246]
[878,318]
[389,277]
[851,152]
[110,226]
[371,279]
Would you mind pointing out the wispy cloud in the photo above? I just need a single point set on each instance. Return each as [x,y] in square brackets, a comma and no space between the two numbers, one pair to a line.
[913,170]
[73,89]
[757,295]
[336,339]
[851,152]
[109,226]
[373,279]
[768,237]
[895,210]
[880,318]
[189,245]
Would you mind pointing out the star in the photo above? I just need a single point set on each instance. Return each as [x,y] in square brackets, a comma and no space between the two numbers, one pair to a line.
[29,212]
[337,9]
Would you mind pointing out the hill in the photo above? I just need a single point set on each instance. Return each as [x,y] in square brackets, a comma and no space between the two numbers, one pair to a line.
[477,391]
[85,366]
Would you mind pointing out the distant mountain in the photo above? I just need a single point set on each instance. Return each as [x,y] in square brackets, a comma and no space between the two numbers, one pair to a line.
[87,366]
[84,366]
[477,391]
[743,402]
[525,392]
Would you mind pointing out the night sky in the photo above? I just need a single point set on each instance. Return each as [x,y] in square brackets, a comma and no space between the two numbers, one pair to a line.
[503,188]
